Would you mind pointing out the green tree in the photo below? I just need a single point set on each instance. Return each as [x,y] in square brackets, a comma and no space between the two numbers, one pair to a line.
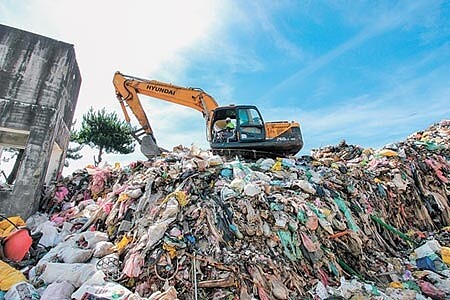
[104,131]
[73,153]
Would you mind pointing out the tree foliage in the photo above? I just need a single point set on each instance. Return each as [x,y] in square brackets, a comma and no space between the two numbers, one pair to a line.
[73,153]
[104,131]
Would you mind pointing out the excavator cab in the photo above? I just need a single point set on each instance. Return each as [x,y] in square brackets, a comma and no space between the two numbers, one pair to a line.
[248,125]
[251,136]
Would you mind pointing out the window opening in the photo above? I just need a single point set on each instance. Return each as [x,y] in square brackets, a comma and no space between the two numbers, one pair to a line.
[12,149]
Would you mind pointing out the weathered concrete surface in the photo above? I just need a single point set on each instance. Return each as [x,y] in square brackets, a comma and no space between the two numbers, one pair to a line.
[39,85]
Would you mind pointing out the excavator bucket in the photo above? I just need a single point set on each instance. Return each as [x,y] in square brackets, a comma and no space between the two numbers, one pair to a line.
[149,147]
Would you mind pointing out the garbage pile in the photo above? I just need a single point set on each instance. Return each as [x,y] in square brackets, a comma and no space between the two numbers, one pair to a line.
[343,223]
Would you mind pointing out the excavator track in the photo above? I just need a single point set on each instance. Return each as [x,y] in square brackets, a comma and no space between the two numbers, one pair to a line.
[247,154]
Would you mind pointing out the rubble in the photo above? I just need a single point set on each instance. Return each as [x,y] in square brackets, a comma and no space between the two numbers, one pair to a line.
[343,223]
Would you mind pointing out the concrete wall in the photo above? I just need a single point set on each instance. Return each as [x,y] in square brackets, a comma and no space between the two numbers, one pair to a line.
[39,85]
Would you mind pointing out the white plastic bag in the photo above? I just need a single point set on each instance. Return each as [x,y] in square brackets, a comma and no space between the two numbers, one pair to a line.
[35,220]
[237,184]
[76,274]
[320,291]
[215,160]
[429,248]
[107,290]
[97,279]
[266,164]
[58,291]
[305,186]
[93,237]
[251,189]
[170,294]
[50,235]
[72,255]
[22,291]
[103,248]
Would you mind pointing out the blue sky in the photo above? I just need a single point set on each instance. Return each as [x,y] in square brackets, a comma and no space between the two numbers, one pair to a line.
[369,72]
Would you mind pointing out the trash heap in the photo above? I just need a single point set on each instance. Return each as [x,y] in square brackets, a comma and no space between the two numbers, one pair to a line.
[343,223]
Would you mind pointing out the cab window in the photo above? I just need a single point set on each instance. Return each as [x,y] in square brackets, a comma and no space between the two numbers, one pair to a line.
[249,117]
[250,124]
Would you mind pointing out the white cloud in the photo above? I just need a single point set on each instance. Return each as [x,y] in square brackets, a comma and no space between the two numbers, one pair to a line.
[410,105]
[141,38]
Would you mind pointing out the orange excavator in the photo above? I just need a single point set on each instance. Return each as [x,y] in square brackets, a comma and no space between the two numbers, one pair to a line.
[233,129]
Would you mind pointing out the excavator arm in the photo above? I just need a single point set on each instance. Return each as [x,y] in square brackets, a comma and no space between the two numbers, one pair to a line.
[128,88]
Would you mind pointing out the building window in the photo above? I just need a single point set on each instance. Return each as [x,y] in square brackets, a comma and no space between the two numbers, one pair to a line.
[12,149]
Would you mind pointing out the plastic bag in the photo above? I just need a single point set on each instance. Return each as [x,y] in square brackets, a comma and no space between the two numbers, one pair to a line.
[305,186]
[321,291]
[215,160]
[170,294]
[103,248]
[133,265]
[430,290]
[108,290]
[266,164]
[50,236]
[387,153]
[22,291]
[156,233]
[35,220]
[76,274]
[348,215]
[291,246]
[251,189]
[72,255]
[279,290]
[97,279]
[237,185]
[348,288]
[93,237]
[58,291]
[427,249]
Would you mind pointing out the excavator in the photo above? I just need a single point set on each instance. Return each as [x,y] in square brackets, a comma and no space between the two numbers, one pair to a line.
[248,136]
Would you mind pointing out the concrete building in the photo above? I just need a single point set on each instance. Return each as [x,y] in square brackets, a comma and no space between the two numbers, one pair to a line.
[39,85]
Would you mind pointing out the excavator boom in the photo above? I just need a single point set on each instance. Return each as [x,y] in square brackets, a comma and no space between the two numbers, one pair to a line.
[127,90]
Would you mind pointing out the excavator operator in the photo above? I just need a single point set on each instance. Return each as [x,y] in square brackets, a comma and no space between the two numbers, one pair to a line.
[229,125]
[227,132]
